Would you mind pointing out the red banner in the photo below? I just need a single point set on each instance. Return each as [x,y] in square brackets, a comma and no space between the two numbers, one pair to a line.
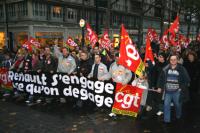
[198,38]
[148,52]
[129,56]
[164,40]
[71,42]
[34,42]
[92,36]
[127,100]
[183,41]
[174,28]
[31,44]
[153,36]
[4,80]
[105,41]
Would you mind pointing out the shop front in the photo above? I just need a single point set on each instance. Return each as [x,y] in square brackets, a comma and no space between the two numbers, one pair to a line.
[2,40]
[48,38]
[19,39]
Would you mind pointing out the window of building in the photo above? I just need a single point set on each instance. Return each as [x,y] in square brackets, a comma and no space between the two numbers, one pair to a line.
[137,22]
[87,15]
[158,12]
[39,9]
[11,10]
[71,14]
[115,20]
[1,11]
[22,9]
[57,12]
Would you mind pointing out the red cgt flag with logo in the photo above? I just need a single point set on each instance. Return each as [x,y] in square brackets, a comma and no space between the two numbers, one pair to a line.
[148,53]
[127,100]
[174,28]
[71,42]
[92,36]
[129,56]
[153,36]
[105,41]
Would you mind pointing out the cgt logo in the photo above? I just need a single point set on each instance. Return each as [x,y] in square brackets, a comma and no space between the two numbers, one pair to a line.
[127,100]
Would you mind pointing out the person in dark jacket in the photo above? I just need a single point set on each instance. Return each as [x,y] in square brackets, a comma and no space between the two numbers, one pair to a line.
[49,62]
[192,66]
[157,97]
[173,80]
[85,64]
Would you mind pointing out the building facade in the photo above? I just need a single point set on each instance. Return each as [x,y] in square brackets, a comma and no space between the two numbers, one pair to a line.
[48,20]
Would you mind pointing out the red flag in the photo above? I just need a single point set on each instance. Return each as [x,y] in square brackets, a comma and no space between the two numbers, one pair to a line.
[164,40]
[148,53]
[174,28]
[127,100]
[198,38]
[71,42]
[105,41]
[153,36]
[172,39]
[129,56]
[34,42]
[183,41]
[91,35]
[5,82]
[27,45]
[187,42]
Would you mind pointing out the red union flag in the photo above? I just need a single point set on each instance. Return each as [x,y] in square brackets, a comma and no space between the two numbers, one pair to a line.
[5,82]
[187,42]
[172,39]
[129,56]
[198,38]
[71,42]
[174,28]
[127,100]
[148,53]
[164,40]
[92,36]
[152,35]
[105,41]
[27,45]
[34,42]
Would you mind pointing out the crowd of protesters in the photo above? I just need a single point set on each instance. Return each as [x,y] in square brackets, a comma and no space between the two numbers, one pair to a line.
[174,77]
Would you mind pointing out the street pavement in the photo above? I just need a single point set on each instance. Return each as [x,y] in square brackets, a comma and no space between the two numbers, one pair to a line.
[17,117]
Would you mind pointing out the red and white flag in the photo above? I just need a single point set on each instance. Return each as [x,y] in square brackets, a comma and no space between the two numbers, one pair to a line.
[127,100]
[71,42]
[164,39]
[27,45]
[34,42]
[174,28]
[129,56]
[92,36]
[153,36]
[148,53]
[105,41]
[187,42]
[173,40]
[198,38]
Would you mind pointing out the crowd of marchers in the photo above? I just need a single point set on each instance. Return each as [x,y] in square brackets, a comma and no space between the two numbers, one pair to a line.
[174,78]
